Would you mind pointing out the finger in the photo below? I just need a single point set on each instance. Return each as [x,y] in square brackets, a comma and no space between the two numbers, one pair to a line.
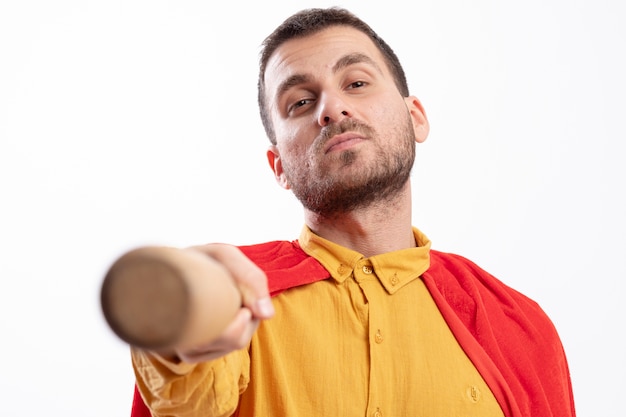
[250,279]
[236,336]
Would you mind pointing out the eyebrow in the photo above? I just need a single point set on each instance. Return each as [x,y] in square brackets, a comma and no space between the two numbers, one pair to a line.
[354,58]
[291,81]
[343,62]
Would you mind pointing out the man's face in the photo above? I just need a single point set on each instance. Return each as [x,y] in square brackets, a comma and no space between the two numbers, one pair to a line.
[345,136]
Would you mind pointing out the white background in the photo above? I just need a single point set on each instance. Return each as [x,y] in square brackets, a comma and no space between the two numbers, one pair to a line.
[135,122]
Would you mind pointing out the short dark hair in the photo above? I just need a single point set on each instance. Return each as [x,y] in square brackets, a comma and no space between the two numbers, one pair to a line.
[308,22]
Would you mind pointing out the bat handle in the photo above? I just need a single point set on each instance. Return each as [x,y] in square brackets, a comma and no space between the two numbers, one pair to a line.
[164,298]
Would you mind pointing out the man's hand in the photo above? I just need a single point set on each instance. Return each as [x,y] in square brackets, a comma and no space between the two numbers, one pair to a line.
[256,304]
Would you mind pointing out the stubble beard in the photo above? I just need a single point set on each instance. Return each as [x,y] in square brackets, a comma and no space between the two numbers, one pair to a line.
[350,187]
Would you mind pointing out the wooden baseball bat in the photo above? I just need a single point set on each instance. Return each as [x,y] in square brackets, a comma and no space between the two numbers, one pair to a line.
[165,298]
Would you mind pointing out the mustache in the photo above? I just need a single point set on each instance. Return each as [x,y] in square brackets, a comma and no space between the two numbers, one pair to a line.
[345,125]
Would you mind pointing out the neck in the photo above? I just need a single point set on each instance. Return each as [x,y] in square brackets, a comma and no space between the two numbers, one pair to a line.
[381,227]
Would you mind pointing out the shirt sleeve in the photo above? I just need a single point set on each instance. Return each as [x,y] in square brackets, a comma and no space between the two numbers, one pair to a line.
[191,390]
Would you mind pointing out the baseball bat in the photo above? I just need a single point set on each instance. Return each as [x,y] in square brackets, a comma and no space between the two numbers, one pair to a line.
[164,298]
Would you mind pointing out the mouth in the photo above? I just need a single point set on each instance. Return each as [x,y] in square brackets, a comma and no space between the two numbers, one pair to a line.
[343,141]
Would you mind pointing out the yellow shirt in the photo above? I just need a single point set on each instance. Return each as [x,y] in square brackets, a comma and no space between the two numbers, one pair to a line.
[367,342]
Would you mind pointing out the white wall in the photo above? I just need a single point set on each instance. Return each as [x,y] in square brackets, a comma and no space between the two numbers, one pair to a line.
[133,122]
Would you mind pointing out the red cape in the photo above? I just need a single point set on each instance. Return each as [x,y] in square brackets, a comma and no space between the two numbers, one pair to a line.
[510,340]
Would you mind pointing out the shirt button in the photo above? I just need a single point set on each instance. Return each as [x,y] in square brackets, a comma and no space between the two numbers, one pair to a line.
[378,337]
[367,269]
[473,393]
[394,280]
[377,413]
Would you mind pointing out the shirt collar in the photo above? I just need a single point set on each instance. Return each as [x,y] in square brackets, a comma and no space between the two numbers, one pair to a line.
[393,269]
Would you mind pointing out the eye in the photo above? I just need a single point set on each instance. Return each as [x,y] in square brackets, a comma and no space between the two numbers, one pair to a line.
[356,84]
[298,105]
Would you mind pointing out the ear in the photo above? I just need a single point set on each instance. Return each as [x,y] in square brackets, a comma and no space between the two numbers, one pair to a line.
[275,161]
[421,127]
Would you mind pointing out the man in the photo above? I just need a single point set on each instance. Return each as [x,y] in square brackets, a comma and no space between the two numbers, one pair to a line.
[365,319]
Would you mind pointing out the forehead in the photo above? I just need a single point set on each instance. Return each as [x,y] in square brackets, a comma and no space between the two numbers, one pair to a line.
[316,54]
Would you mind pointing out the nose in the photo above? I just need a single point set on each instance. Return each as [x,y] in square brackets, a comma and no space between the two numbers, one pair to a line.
[332,110]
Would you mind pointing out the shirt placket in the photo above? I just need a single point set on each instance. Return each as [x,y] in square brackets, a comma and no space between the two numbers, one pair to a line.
[366,277]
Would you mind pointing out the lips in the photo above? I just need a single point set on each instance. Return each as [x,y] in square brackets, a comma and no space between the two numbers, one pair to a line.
[342,141]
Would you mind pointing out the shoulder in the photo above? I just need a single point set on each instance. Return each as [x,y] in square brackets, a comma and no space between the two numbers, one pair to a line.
[463,283]
[285,264]
[275,254]
[447,267]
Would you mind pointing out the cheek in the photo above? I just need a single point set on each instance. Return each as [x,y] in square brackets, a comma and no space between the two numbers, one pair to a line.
[294,155]
[385,110]
[392,118]
[286,133]
[294,140]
